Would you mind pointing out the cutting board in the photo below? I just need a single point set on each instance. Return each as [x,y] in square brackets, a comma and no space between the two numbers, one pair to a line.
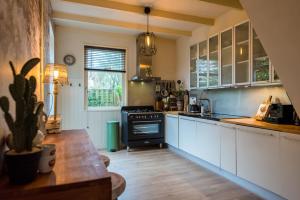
[263,109]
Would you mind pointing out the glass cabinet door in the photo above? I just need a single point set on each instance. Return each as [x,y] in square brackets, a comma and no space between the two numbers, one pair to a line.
[242,54]
[213,70]
[202,65]
[226,57]
[193,66]
[260,61]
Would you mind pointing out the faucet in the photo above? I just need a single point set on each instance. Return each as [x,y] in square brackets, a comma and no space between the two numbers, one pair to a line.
[209,111]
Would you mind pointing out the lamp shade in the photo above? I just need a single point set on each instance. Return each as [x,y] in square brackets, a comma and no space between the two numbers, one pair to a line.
[56,73]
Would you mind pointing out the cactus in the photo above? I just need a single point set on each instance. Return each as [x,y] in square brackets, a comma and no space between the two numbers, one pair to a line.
[24,127]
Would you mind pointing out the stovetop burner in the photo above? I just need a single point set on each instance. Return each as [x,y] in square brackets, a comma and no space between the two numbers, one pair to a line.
[137,109]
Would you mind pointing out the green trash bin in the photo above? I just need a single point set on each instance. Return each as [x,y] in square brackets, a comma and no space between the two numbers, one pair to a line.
[112,135]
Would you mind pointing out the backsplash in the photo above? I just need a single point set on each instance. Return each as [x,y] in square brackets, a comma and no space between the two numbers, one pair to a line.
[241,101]
[141,93]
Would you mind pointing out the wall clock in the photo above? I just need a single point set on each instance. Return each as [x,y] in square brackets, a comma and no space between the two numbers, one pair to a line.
[69,59]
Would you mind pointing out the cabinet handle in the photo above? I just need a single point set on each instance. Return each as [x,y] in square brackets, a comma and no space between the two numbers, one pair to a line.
[187,119]
[265,134]
[291,139]
[231,127]
[172,116]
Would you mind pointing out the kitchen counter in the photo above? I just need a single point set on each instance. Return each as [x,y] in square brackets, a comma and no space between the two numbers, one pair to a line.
[174,113]
[264,125]
[212,116]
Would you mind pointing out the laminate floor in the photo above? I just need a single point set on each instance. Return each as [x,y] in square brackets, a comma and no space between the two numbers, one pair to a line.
[160,174]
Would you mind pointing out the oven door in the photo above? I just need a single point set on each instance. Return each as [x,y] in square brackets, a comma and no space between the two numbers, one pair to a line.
[145,129]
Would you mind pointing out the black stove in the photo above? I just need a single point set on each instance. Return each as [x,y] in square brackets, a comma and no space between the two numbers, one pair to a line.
[141,126]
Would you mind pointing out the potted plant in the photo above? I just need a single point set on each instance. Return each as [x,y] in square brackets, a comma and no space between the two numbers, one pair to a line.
[23,158]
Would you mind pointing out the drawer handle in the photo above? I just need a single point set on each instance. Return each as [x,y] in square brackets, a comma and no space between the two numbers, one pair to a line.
[187,119]
[231,127]
[291,139]
[266,134]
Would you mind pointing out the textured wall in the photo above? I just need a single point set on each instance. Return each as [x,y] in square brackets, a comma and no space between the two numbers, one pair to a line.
[20,40]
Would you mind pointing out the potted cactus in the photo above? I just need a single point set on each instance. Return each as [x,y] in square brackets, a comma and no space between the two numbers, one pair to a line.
[22,159]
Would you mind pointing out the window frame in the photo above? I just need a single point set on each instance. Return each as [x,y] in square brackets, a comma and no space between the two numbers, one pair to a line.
[124,78]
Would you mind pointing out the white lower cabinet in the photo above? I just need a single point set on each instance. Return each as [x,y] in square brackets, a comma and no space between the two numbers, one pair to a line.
[208,142]
[171,130]
[290,165]
[228,147]
[258,157]
[187,134]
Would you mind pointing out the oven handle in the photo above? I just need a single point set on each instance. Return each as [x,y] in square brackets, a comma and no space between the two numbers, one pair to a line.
[135,122]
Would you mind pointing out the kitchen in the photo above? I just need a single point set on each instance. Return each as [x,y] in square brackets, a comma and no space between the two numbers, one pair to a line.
[213,97]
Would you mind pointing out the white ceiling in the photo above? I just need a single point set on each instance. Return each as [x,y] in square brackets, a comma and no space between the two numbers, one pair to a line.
[190,7]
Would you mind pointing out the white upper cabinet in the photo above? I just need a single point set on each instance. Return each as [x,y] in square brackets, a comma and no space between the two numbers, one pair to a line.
[230,58]
[202,65]
[242,55]
[226,58]
[261,67]
[213,61]
[193,66]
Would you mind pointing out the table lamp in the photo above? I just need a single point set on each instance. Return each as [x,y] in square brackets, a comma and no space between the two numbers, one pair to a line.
[56,74]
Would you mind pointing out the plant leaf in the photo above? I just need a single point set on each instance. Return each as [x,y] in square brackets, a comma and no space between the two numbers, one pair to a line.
[12,68]
[29,65]
[4,104]
[32,83]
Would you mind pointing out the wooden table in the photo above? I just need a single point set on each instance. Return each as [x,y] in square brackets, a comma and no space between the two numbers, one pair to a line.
[78,173]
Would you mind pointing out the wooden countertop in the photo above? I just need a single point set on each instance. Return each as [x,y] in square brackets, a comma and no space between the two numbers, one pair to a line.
[78,173]
[265,125]
[175,113]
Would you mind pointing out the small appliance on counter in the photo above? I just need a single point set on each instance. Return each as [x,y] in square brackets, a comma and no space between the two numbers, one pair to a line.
[280,114]
[193,107]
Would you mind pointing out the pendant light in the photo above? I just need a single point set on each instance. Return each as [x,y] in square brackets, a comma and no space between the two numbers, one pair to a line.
[146,40]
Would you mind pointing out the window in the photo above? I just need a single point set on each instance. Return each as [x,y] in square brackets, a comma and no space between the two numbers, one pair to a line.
[105,72]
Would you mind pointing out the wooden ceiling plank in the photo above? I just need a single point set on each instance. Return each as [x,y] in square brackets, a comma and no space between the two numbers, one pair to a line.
[116,23]
[229,3]
[140,10]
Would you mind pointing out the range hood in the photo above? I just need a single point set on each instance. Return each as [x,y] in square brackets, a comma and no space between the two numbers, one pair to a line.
[143,66]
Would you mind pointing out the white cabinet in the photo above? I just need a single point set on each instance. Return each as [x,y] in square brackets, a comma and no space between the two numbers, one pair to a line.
[228,147]
[258,157]
[171,130]
[208,142]
[290,166]
[187,134]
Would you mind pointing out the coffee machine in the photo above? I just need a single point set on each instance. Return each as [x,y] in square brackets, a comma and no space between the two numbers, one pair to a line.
[193,107]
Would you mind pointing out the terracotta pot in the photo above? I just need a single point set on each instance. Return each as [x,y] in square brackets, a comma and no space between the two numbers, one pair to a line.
[23,167]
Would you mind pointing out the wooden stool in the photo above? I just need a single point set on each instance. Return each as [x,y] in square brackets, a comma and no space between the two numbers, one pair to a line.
[105,160]
[118,185]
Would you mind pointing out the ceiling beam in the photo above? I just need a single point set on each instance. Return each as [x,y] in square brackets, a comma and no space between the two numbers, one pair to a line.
[229,3]
[140,10]
[116,23]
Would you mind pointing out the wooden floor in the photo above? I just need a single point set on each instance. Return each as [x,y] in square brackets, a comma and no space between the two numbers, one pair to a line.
[159,174]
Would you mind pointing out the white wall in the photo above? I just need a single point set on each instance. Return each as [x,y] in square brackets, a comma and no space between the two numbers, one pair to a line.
[277,23]
[242,101]
[69,40]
